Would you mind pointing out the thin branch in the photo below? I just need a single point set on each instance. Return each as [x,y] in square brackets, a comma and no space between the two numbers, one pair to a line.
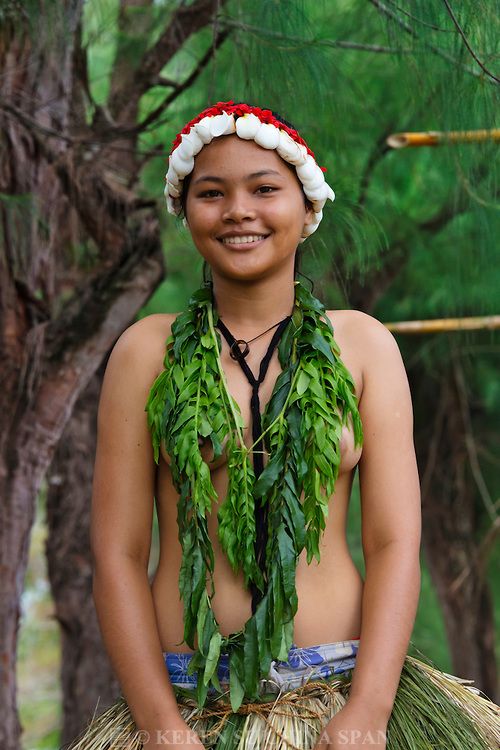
[454,207]
[162,81]
[180,87]
[33,125]
[467,44]
[300,41]
[186,21]
[394,16]
[379,150]
[418,20]
[436,50]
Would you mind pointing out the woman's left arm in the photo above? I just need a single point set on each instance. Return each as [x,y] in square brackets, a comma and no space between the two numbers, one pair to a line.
[391,520]
[391,528]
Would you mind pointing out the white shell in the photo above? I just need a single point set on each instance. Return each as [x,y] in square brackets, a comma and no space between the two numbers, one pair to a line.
[308,172]
[318,194]
[172,175]
[194,140]
[171,207]
[318,206]
[185,150]
[267,136]
[247,126]
[301,158]
[314,182]
[222,125]
[311,228]
[291,151]
[174,191]
[202,129]
[286,147]
[180,165]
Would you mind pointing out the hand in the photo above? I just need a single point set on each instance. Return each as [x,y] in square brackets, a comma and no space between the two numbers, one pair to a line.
[353,726]
[178,736]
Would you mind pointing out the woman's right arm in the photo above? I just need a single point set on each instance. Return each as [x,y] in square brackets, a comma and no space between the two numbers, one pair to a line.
[122,508]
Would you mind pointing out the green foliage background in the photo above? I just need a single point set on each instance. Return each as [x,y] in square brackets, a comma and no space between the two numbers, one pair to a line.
[432,212]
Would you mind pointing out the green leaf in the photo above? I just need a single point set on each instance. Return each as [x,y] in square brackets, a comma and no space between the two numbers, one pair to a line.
[202,616]
[287,562]
[201,692]
[251,658]
[270,474]
[213,657]
[318,342]
[302,383]
[236,689]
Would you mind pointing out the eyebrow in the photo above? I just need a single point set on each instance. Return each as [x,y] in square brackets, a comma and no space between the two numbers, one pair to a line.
[252,176]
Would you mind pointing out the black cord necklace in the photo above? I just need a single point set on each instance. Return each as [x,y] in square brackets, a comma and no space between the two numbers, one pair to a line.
[235,350]
[258,453]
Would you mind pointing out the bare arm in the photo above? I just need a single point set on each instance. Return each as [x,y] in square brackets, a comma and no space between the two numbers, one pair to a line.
[122,507]
[391,522]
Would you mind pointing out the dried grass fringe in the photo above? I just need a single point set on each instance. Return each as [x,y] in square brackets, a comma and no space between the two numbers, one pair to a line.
[432,710]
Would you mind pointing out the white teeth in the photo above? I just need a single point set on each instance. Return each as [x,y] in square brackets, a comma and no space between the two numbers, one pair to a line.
[242,240]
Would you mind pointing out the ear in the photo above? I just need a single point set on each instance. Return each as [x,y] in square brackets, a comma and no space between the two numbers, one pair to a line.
[309,217]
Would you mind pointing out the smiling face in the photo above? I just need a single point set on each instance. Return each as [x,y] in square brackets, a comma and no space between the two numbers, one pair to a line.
[245,209]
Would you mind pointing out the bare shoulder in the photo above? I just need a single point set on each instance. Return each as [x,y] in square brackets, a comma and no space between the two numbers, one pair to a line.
[136,359]
[355,326]
[366,345]
[357,323]
[143,343]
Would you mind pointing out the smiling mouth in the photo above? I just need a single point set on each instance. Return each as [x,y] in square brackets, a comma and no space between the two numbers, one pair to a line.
[246,239]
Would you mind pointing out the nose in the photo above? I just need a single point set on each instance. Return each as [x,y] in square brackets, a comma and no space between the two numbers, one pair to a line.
[238,207]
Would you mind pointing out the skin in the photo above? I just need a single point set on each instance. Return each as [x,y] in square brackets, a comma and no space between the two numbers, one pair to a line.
[240,189]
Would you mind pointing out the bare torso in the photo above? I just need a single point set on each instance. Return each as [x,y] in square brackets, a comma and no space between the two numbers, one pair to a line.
[329,592]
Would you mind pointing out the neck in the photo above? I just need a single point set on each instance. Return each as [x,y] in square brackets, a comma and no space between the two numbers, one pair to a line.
[249,307]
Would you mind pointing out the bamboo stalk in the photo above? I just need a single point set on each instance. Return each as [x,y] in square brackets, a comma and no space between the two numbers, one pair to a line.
[437,138]
[439,325]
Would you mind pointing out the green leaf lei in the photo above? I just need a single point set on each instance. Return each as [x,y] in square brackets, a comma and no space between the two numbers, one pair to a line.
[312,399]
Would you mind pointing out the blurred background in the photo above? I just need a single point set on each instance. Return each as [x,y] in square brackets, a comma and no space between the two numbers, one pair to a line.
[91,96]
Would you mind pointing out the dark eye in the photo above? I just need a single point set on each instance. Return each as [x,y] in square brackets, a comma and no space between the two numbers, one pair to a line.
[210,193]
[266,189]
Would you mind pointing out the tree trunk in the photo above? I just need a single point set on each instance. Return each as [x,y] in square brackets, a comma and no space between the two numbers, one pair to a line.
[50,347]
[88,681]
[450,527]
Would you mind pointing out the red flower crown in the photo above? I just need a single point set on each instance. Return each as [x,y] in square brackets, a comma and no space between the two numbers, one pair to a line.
[264,115]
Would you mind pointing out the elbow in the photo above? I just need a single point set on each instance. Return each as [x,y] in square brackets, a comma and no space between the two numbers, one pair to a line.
[110,566]
[402,551]
[115,552]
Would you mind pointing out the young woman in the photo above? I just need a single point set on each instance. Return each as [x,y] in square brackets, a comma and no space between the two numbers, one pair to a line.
[249,446]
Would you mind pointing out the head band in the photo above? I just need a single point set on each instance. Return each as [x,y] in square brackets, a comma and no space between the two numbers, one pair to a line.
[248,123]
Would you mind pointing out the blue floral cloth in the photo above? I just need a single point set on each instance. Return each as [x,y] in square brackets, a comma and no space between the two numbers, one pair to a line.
[303,664]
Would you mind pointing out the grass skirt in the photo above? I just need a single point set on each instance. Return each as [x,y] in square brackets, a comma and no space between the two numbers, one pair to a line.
[432,711]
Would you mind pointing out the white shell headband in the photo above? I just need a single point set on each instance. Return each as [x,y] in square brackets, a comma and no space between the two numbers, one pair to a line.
[249,123]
